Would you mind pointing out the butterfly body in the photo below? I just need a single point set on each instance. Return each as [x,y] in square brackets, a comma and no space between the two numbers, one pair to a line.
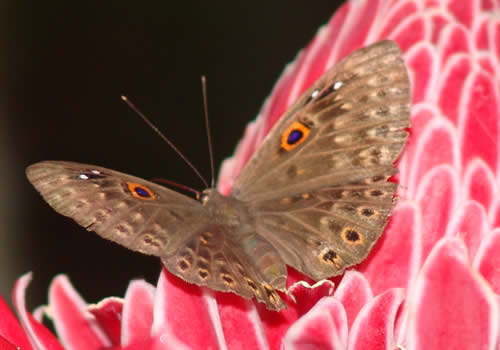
[314,196]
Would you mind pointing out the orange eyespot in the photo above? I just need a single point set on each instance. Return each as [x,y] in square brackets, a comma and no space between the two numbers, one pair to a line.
[294,135]
[140,191]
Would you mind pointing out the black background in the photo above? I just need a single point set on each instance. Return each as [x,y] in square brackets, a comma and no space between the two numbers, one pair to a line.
[64,67]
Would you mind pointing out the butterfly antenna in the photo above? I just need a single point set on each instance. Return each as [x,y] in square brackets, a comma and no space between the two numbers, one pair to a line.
[152,126]
[207,126]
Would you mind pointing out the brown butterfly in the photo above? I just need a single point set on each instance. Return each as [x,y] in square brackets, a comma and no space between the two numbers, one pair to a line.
[314,196]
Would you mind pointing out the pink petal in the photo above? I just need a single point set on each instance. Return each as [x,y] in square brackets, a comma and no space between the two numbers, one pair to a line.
[397,252]
[439,20]
[323,327]
[411,31]
[452,307]
[108,314]
[39,336]
[354,293]
[479,122]
[241,325]
[178,304]
[396,15]
[436,194]
[453,39]
[487,4]
[76,327]
[487,62]
[479,183]
[137,316]
[470,223]
[464,11]
[487,259]
[496,38]
[7,345]
[481,35]
[421,63]
[363,15]
[306,296]
[374,326]
[436,145]
[452,81]
[231,167]
[495,213]
[10,329]
[422,115]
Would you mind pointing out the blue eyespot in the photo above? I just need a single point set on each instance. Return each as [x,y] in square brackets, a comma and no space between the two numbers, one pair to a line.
[294,136]
[142,192]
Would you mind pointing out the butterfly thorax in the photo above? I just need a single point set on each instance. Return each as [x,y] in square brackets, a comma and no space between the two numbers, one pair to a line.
[227,211]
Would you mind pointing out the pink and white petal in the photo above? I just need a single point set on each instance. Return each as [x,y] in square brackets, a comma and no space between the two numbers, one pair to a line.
[494,213]
[323,327]
[412,30]
[241,323]
[451,310]
[422,64]
[75,325]
[7,345]
[276,324]
[397,253]
[183,315]
[231,167]
[451,85]
[439,19]
[470,223]
[316,57]
[487,259]
[480,183]
[354,293]
[481,34]
[137,315]
[374,326]
[108,314]
[434,146]
[422,115]
[495,38]
[487,62]
[325,49]
[454,39]
[464,11]
[357,26]
[10,329]
[437,197]
[39,336]
[396,14]
[305,295]
[479,120]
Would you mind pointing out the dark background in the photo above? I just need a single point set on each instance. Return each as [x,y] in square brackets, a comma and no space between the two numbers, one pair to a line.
[63,68]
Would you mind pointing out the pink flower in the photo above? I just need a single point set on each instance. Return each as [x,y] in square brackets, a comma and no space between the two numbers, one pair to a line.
[432,281]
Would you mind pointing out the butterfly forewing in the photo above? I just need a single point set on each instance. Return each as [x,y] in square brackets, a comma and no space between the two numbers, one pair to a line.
[110,203]
[319,180]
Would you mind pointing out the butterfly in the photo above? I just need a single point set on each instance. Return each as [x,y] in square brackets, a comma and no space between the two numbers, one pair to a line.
[314,196]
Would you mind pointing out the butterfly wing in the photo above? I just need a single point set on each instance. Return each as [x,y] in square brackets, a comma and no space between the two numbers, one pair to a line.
[318,183]
[130,211]
[152,219]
